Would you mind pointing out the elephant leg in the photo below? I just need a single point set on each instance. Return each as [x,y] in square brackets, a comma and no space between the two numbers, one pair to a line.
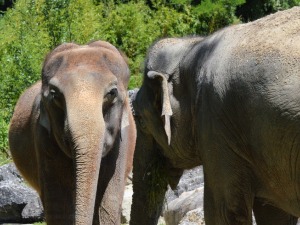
[149,182]
[57,185]
[228,196]
[221,209]
[269,215]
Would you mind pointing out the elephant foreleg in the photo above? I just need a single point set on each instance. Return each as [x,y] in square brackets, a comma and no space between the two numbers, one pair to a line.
[56,189]
[228,193]
[270,215]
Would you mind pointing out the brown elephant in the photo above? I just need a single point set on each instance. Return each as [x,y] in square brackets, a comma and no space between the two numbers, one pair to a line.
[72,135]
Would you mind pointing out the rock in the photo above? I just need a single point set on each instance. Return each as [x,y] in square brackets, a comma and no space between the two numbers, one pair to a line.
[190,180]
[193,217]
[10,172]
[187,201]
[187,196]
[18,202]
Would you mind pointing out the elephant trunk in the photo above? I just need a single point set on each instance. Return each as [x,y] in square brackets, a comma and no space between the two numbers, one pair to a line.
[86,126]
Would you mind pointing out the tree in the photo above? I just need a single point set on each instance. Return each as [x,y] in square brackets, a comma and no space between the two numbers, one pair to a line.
[254,9]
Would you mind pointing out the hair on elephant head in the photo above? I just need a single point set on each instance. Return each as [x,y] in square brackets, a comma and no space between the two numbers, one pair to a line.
[80,121]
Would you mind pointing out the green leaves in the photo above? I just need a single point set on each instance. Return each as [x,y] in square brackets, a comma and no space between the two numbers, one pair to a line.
[255,9]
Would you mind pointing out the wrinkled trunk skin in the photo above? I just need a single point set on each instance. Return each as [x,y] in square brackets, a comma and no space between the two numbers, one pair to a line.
[86,127]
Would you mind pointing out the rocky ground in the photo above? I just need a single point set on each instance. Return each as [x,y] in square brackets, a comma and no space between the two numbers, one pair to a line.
[184,206]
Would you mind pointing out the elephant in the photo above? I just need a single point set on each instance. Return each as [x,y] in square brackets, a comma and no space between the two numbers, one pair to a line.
[72,134]
[230,102]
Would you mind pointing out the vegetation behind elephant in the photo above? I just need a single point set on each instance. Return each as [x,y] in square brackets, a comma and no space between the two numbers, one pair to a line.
[67,125]
[230,101]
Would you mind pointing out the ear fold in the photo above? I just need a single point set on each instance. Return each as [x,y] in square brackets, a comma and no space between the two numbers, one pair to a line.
[44,119]
[165,99]
[124,122]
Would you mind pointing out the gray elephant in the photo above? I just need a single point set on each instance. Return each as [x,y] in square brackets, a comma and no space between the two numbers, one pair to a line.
[231,102]
[72,135]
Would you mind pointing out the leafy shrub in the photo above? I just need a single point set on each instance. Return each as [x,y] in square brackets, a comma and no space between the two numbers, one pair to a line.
[254,9]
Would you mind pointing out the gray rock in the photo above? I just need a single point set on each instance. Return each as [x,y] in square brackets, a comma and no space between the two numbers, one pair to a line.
[190,180]
[187,196]
[193,217]
[178,208]
[33,211]
[10,172]
[18,202]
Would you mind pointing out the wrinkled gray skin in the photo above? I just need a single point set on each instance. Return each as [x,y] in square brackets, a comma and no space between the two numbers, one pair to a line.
[66,126]
[230,102]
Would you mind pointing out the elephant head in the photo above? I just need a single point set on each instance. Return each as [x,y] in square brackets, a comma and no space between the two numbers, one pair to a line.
[82,109]
[158,102]
[160,110]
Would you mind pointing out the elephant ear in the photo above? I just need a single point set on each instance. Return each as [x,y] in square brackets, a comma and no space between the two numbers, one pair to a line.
[165,100]
[124,122]
[44,119]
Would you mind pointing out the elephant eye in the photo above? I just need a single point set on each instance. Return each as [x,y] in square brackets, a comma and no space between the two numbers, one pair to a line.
[112,94]
[56,97]
[53,93]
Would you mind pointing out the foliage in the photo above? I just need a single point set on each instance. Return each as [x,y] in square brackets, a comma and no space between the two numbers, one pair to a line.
[4,5]
[33,27]
[254,9]
[3,141]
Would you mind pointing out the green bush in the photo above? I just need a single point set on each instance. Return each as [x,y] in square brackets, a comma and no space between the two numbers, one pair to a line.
[4,157]
[254,9]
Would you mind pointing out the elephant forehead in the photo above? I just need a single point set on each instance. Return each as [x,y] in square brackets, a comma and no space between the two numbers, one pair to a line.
[82,80]
[86,58]
[89,65]
[85,68]
[96,58]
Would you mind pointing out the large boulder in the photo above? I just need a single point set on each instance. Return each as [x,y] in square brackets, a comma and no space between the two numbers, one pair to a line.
[190,180]
[193,217]
[187,196]
[179,207]
[18,202]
